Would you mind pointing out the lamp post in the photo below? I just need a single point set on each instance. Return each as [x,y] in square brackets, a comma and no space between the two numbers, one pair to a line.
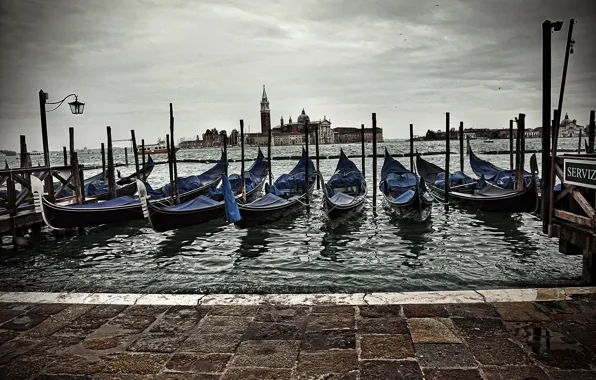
[76,108]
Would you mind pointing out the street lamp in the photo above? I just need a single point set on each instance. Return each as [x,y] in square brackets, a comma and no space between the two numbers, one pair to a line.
[76,108]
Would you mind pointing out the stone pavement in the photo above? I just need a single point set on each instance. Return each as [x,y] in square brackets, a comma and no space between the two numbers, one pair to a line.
[507,340]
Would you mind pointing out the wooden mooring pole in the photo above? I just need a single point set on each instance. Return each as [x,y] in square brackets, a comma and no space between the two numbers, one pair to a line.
[546,110]
[447,154]
[591,128]
[25,157]
[126,156]
[317,153]
[412,147]
[225,150]
[551,175]
[242,179]
[374,160]
[579,142]
[103,160]
[173,149]
[49,183]
[74,162]
[363,150]
[269,142]
[65,156]
[135,151]
[461,146]
[511,144]
[143,158]
[170,169]
[519,178]
[306,173]
[111,174]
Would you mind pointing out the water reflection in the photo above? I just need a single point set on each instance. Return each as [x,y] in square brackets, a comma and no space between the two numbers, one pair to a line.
[341,234]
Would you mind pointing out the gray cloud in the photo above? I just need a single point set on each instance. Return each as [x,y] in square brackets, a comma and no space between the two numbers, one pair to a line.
[407,61]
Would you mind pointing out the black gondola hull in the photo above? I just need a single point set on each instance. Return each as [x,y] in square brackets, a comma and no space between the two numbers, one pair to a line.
[418,209]
[164,220]
[62,217]
[335,211]
[524,201]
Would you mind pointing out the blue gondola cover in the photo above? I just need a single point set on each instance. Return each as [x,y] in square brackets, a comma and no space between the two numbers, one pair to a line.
[232,212]
[120,201]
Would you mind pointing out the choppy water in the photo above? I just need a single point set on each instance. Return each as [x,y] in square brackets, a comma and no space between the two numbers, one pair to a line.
[455,250]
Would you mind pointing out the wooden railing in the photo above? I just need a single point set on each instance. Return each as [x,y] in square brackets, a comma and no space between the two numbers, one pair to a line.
[12,203]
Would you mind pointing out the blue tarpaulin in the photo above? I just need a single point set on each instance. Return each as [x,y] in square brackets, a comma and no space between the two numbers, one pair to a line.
[504,178]
[455,179]
[295,180]
[232,212]
[195,204]
[269,200]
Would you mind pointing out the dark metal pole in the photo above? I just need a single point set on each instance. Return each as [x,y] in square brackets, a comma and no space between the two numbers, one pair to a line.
[374,159]
[49,183]
[173,150]
[269,141]
[461,146]
[103,160]
[143,158]
[65,156]
[511,144]
[565,64]
[242,179]
[363,150]
[306,174]
[317,153]
[447,153]
[111,178]
[546,109]
[412,147]
[135,151]
[591,128]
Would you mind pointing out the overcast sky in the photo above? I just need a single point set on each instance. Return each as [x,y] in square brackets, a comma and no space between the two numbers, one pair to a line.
[408,61]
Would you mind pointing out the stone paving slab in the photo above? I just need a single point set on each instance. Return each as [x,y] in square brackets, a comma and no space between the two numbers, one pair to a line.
[550,339]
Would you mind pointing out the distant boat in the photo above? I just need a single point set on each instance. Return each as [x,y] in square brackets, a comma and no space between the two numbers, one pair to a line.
[488,141]
[158,148]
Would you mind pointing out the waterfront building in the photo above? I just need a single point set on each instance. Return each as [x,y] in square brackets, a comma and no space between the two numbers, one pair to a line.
[348,135]
[569,128]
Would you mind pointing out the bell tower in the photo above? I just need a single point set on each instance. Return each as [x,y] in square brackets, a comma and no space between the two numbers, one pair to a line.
[265,113]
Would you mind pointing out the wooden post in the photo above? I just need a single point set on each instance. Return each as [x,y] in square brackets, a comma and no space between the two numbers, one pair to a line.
[447,154]
[269,141]
[519,178]
[170,169]
[111,178]
[135,151]
[49,183]
[511,144]
[412,147]
[546,109]
[306,174]
[374,160]
[317,153]
[103,160]
[143,158]
[74,162]
[126,156]
[225,147]
[173,150]
[65,156]
[25,157]
[242,179]
[579,142]
[363,150]
[591,128]
[461,146]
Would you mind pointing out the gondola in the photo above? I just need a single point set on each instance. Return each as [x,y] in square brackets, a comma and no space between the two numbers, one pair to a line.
[119,209]
[192,186]
[285,197]
[204,208]
[60,216]
[489,197]
[503,178]
[345,192]
[405,195]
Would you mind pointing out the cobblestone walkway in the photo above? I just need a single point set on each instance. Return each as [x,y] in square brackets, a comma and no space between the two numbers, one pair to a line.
[525,340]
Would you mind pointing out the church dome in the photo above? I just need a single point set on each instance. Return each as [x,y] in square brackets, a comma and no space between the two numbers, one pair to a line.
[566,120]
[303,117]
